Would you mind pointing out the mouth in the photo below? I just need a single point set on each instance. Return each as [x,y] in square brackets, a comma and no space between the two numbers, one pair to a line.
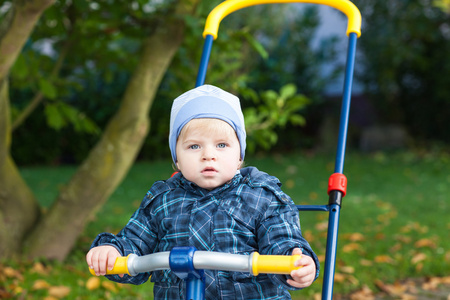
[209,171]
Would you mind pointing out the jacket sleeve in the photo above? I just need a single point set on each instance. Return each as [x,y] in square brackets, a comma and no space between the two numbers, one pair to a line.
[279,233]
[139,236]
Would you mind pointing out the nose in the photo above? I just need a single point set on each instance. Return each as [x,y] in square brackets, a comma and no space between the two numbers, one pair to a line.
[209,154]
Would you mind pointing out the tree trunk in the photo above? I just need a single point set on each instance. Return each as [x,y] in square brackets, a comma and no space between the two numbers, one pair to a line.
[110,160]
[18,208]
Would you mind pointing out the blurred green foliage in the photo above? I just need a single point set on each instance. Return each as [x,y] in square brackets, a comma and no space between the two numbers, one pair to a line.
[78,62]
[406,64]
[272,110]
[79,58]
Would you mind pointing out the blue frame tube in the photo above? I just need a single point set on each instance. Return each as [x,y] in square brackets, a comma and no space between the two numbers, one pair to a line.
[335,209]
[313,207]
[345,108]
[330,255]
[201,75]
[195,288]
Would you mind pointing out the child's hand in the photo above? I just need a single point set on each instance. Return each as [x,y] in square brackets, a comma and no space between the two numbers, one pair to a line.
[304,276]
[102,258]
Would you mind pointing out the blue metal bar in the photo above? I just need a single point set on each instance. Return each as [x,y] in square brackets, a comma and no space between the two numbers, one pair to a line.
[181,262]
[195,288]
[313,207]
[330,255]
[201,75]
[333,218]
[345,108]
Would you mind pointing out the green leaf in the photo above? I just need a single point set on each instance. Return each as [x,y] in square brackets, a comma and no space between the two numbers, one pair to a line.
[70,113]
[47,88]
[297,120]
[20,68]
[270,95]
[89,126]
[288,90]
[255,44]
[78,119]
[55,118]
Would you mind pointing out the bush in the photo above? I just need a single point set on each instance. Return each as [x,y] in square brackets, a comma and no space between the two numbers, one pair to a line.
[406,65]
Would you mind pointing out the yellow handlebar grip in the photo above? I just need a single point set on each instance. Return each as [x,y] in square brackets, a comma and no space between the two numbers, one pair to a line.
[120,267]
[227,7]
[273,264]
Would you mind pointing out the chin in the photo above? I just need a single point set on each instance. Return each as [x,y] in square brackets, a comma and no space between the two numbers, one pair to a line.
[210,186]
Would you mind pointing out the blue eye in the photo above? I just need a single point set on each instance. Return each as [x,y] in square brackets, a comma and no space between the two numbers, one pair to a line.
[194,147]
[221,145]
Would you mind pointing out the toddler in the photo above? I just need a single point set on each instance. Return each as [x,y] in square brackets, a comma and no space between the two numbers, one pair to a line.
[212,204]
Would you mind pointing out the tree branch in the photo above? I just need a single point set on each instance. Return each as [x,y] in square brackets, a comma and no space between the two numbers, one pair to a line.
[38,97]
[16,28]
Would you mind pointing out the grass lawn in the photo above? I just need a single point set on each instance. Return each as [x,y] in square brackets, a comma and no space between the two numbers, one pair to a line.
[394,223]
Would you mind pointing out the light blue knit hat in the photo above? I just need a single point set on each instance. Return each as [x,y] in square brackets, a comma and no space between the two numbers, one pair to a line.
[206,101]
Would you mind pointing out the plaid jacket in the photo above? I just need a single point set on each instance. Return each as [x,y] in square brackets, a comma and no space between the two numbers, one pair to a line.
[249,213]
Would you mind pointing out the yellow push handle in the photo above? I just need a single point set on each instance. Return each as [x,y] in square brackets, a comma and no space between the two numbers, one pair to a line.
[273,264]
[120,267]
[227,7]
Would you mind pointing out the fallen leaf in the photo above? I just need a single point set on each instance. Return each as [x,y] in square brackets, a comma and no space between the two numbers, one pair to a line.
[425,243]
[419,267]
[381,285]
[338,277]
[353,237]
[363,294]
[59,291]
[403,239]
[39,268]
[383,259]
[93,283]
[353,280]
[313,195]
[40,284]
[384,205]
[351,247]
[414,226]
[418,258]
[433,282]
[308,235]
[396,247]
[366,262]
[18,290]
[322,226]
[321,258]
[396,289]
[12,273]
[4,294]
[290,183]
[110,286]
[380,236]
[347,269]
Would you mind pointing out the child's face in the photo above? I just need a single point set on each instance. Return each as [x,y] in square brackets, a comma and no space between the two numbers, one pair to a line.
[208,152]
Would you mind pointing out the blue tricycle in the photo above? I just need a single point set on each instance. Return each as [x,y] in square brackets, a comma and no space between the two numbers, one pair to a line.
[186,262]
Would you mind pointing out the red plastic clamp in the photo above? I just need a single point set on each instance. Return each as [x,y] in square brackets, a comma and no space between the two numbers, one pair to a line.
[337,182]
